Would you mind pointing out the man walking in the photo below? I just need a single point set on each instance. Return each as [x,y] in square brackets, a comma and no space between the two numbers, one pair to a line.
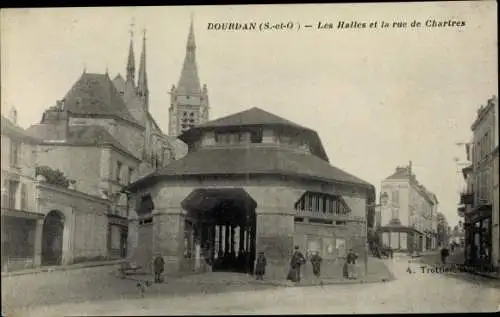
[316,264]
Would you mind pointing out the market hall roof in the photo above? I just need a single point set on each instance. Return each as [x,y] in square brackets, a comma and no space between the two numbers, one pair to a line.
[255,117]
[252,161]
[96,95]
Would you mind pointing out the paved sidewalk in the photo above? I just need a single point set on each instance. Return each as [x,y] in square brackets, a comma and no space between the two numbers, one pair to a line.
[55,268]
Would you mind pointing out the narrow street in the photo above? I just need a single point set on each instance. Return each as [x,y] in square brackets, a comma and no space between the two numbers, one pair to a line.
[208,294]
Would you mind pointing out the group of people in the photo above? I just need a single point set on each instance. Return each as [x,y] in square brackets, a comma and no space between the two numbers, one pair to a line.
[298,259]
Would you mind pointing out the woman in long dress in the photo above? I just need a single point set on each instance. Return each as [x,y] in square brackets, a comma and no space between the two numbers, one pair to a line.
[295,263]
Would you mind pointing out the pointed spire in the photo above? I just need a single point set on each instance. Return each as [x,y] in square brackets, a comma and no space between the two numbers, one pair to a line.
[142,83]
[189,81]
[191,45]
[131,57]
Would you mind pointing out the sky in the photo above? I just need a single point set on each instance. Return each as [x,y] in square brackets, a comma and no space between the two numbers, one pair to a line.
[378,97]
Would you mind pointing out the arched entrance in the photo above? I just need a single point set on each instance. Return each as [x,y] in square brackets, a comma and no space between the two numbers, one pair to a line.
[52,238]
[220,229]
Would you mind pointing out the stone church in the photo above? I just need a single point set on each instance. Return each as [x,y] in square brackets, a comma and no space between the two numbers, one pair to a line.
[102,136]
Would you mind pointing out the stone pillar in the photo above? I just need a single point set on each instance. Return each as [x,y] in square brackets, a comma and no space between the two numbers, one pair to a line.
[274,236]
[242,239]
[38,243]
[67,236]
[219,249]
[168,237]
[226,240]
[133,237]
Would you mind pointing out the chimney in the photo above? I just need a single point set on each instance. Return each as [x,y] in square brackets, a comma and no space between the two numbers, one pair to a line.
[13,115]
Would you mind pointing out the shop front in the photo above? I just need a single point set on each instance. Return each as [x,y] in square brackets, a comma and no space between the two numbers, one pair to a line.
[478,238]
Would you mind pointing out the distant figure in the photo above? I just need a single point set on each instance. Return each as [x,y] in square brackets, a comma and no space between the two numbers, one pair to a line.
[159,264]
[444,254]
[295,263]
[260,266]
[316,264]
[350,265]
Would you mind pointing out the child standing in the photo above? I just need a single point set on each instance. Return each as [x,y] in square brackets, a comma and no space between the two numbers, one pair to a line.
[260,266]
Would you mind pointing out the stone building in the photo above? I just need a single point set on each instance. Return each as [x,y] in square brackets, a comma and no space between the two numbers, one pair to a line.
[101,136]
[479,203]
[409,221]
[189,104]
[251,182]
[43,223]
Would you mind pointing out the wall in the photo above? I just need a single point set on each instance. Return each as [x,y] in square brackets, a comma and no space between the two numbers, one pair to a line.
[496,216]
[77,163]
[85,225]
[275,213]
[482,164]
[131,137]
[400,206]
[24,172]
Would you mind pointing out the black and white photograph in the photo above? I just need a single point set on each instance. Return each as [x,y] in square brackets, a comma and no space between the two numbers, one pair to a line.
[256,159]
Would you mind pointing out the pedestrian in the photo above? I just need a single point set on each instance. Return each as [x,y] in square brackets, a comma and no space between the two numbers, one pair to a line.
[444,254]
[351,264]
[295,263]
[316,264]
[260,266]
[159,264]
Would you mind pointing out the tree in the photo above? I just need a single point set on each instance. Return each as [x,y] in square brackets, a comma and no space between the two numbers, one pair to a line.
[442,229]
[52,176]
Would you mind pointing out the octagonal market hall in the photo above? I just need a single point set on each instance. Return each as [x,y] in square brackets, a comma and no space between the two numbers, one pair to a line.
[251,182]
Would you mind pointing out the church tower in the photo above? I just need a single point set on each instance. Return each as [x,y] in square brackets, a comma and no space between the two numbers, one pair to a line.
[188,101]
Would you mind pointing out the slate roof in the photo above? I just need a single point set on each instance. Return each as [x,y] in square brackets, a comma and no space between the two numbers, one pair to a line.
[243,161]
[251,117]
[95,94]
[88,135]
[400,173]
[14,131]
[189,81]
[256,117]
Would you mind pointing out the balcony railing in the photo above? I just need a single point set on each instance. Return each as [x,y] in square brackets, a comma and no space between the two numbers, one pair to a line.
[467,198]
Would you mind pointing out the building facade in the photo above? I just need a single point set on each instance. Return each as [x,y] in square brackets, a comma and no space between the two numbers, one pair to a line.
[479,203]
[189,104]
[250,182]
[44,223]
[101,136]
[409,220]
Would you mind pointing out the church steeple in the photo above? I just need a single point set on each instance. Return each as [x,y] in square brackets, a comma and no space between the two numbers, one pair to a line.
[189,82]
[131,57]
[142,84]
[189,104]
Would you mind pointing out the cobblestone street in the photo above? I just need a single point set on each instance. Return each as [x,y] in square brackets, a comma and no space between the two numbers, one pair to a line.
[225,293]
